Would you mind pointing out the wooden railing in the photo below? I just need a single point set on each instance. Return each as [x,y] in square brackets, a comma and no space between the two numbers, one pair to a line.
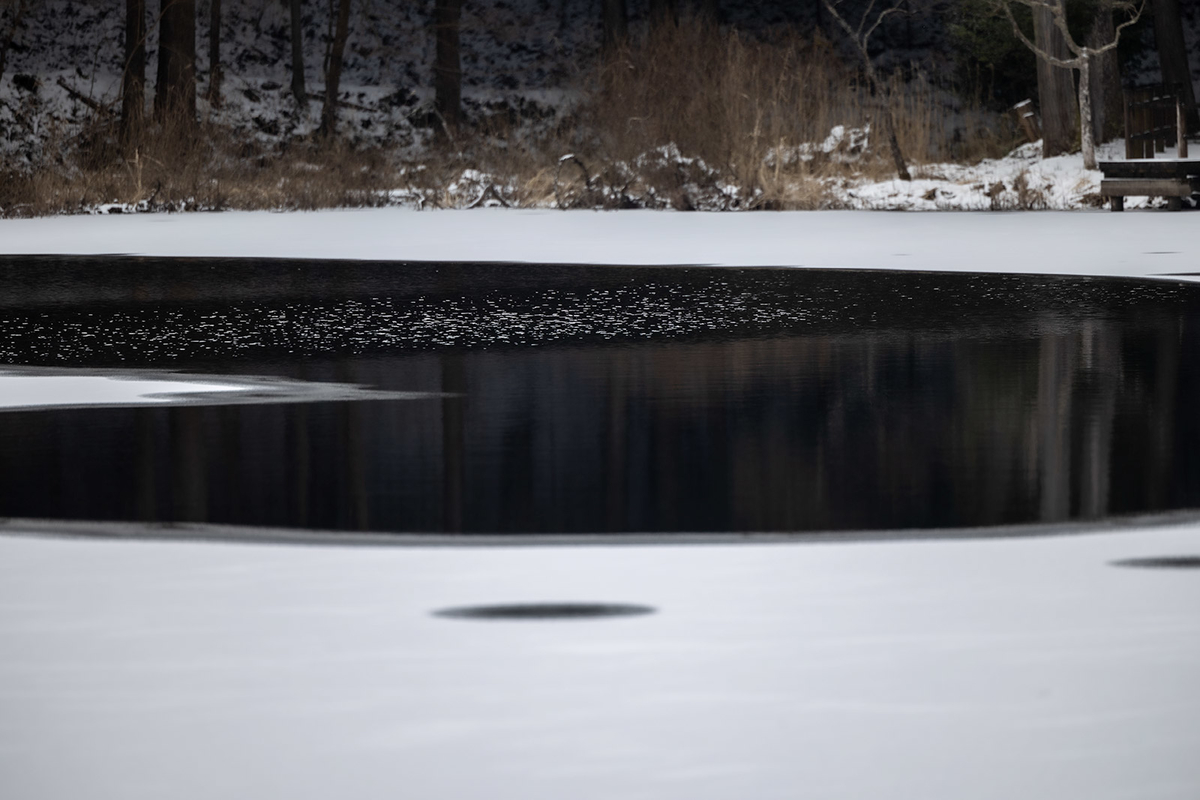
[1154,118]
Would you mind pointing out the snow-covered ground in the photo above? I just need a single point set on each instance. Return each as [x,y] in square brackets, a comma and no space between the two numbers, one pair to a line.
[1138,243]
[999,668]
[1022,180]
[522,65]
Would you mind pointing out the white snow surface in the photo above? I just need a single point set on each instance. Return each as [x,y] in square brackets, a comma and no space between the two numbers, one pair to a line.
[1134,243]
[980,668]
[40,391]
[983,669]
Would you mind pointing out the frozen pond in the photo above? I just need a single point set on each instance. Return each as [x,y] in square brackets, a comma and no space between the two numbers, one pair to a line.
[559,399]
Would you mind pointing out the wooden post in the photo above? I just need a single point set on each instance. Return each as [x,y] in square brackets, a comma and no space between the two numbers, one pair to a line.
[1128,131]
[1023,111]
[1160,128]
[1181,129]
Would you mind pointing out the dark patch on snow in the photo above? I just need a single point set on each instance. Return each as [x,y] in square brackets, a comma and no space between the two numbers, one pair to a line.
[1161,562]
[26,83]
[542,611]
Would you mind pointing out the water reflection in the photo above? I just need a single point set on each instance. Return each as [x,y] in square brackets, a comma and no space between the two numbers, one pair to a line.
[1026,409]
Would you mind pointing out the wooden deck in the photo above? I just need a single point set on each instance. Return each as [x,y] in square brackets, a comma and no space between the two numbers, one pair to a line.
[1171,178]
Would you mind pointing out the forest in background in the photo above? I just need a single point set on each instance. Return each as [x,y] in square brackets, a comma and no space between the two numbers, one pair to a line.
[212,104]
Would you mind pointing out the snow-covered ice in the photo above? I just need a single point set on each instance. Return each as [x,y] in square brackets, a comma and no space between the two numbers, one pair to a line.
[979,669]
[33,388]
[41,391]
[1141,243]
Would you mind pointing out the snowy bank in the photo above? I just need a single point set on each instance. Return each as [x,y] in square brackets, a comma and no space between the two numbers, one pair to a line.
[1144,243]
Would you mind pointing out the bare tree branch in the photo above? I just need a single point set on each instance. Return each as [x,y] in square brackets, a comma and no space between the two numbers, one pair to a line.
[1059,15]
[860,40]
[882,16]
[1083,54]
[1025,40]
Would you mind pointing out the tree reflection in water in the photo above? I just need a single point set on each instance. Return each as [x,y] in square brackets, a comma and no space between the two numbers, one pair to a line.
[871,410]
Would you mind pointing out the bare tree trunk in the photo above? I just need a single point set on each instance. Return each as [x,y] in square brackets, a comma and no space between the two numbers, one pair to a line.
[614,22]
[298,89]
[1056,86]
[214,53]
[447,65]
[889,126]
[175,92]
[333,78]
[1107,102]
[1172,52]
[133,77]
[1087,141]
[661,11]
[564,18]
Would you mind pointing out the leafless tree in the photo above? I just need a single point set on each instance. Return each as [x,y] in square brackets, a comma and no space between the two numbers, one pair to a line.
[860,35]
[333,77]
[1057,99]
[11,13]
[214,53]
[1082,54]
[661,11]
[1108,101]
[298,89]
[447,64]
[175,90]
[133,77]
[1172,50]
[614,23]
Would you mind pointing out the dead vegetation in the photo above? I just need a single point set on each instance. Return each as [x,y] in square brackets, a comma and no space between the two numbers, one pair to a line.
[685,116]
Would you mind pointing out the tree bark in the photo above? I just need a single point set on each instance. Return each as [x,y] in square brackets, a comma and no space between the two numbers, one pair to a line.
[889,129]
[214,53]
[298,89]
[661,11]
[333,78]
[175,92]
[18,11]
[447,65]
[1087,142]
[1056,86]
[1108,107]
[133,76]
[1172,52]
[614,23]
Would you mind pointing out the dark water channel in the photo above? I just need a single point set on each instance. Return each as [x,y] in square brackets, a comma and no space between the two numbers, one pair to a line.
[586,399]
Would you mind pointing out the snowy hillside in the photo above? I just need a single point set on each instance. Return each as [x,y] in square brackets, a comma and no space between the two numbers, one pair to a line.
[524,65]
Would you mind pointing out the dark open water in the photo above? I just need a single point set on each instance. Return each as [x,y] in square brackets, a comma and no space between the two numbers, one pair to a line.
[587,399]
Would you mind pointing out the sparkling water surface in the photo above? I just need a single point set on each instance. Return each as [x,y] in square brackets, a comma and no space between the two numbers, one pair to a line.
[570,399]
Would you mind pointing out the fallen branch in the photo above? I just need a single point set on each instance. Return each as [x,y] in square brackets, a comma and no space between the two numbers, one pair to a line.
[570,158]
[99,108]
[320,98]
[489,191]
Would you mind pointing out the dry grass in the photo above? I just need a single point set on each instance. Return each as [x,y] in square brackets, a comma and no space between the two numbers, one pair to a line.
[739,103]
[685,116]
[201,167]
